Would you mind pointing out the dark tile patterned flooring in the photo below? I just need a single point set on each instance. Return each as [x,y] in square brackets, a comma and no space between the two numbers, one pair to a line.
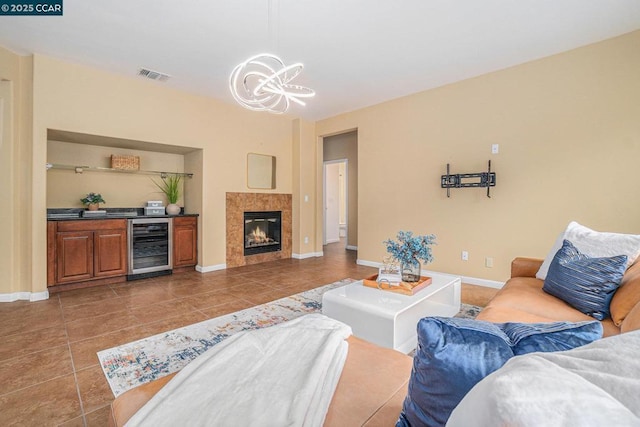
[49,371]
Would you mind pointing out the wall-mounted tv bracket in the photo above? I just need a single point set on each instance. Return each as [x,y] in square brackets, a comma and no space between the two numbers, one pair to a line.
[462,180]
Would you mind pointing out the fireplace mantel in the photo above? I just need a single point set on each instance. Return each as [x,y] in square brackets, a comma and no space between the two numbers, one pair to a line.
[236,205]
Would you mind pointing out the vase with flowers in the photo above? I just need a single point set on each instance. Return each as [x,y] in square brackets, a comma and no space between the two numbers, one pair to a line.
[92,201]
[170,186]
[409,250]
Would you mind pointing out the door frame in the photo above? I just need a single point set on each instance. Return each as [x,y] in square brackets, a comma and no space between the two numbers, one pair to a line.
[324,196]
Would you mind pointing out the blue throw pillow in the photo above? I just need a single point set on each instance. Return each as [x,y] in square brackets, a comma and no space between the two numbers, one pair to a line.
[587,284]
[454,354]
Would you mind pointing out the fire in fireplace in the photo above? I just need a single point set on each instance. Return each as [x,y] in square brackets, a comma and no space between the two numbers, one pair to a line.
[262,231]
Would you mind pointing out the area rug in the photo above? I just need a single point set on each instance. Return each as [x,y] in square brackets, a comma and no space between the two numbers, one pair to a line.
[145,360]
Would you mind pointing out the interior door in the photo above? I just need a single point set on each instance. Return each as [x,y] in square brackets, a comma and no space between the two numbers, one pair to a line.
[331,203]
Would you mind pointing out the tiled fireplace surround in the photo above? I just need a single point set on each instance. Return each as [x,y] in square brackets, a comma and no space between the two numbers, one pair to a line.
[237,204]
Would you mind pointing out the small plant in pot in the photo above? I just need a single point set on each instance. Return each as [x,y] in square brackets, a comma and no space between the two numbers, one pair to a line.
[170,186]
[92,201]
[409,250]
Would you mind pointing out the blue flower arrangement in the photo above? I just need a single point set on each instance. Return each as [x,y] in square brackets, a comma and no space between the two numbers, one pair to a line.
[408,247]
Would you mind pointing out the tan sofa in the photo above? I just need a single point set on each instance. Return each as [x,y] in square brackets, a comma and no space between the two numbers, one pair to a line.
[370,392]
[374,381]
[522,299]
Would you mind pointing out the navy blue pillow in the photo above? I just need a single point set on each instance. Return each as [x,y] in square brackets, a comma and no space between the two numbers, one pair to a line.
[587,284]
[454,354]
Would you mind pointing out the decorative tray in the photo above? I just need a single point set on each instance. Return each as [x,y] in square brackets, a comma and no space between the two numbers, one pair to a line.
[402,288]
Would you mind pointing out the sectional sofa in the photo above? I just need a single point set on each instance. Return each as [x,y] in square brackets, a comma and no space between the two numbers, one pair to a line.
[370,392]
[374,381]
[522,299]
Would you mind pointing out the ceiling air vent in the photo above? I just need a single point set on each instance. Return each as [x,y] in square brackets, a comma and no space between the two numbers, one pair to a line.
[153,75]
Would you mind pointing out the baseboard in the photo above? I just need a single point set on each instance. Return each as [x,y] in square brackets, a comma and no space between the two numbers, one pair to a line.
[24,296]
[210,268]
[473,280]
[217,267]
[483,282]
[465,279]
[352,248]
[307,255]
[332,241]
[368,263]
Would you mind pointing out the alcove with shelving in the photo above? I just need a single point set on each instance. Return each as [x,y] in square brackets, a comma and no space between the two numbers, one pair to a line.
[79,163]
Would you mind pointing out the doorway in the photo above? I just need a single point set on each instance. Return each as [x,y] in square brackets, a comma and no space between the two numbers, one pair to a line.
[335,200]
[341,149]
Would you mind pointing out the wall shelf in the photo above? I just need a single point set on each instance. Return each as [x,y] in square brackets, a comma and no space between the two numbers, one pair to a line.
[81,169]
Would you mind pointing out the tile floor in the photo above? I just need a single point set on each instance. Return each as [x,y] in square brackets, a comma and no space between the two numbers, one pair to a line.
[49,371]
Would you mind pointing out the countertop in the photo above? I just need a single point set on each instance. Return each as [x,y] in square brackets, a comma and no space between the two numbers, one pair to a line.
[67,214]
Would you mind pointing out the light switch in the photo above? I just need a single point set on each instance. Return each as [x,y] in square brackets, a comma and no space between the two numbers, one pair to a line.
[495,148]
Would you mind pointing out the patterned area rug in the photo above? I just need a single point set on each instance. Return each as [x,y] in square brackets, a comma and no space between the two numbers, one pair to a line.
[145,360]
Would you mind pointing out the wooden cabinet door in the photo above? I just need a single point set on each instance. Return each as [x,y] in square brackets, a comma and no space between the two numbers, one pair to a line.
[51,252]
[185,241]
[110,253]
[74,253]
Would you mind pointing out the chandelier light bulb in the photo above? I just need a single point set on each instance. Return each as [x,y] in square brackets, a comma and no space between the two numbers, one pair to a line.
[263,83]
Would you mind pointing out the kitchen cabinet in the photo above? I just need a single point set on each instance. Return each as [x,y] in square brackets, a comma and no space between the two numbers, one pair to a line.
[109,252]
[74,256]
[185,241]
[86,250]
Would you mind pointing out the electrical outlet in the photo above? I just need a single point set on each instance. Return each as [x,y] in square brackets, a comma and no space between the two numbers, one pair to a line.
[488,262]
[465,256]
[495,148]
[306,240]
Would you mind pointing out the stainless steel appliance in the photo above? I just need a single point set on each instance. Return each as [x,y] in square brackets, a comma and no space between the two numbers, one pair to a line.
[150,247]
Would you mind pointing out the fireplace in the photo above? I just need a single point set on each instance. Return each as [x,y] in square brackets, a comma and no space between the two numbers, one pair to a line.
[262,232]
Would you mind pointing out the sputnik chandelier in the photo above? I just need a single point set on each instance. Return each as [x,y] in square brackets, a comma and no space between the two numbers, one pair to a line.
[262,83]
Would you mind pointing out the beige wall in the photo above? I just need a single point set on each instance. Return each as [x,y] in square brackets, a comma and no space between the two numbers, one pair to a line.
[65,188]
[569,138]
[15,171]
[193,194]
[7,176]
[304,187]
[345,146]
[72,97]
[567,128]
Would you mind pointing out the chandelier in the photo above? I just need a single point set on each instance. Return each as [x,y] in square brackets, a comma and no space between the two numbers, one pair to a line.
[263,83]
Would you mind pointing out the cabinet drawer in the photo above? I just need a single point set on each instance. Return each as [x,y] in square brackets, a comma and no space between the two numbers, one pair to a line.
[185,220]
[92,224]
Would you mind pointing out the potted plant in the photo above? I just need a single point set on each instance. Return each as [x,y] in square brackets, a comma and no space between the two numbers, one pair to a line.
[409,250]
[92,201]
[170,186]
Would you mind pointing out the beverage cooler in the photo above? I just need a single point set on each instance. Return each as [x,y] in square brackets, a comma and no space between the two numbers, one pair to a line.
[150,247]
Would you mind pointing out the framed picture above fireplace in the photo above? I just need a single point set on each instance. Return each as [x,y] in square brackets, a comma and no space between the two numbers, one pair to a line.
[261,171]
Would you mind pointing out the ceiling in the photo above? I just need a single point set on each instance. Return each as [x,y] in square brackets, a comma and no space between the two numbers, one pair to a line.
[356,53]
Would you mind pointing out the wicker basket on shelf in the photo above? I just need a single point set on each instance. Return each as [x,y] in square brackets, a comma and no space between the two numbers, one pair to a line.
[125,162]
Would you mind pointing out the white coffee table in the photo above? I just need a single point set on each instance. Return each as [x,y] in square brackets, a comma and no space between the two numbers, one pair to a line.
[389,319]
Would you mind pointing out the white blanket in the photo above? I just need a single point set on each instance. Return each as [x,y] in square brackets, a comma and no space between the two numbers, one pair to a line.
[594,385]
[284,375]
